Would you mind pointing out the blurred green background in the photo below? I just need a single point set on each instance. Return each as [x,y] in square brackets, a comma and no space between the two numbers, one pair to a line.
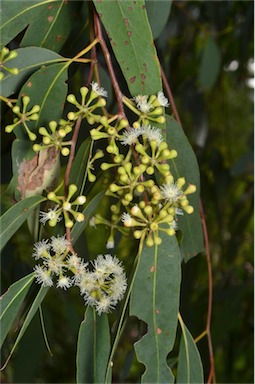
[206,50]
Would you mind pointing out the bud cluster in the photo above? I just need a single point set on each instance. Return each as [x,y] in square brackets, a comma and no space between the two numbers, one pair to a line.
[54,138]
[23,117]
[6,55]
[64,206]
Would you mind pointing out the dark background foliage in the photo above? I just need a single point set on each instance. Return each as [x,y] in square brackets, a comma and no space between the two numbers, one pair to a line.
[206,51]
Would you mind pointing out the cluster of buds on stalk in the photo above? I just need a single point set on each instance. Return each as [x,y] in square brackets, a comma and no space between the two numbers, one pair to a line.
[64,206]
[24,116]
[6,55]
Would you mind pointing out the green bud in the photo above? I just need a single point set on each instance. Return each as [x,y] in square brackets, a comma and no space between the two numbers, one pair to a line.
[16,109]
[65,151]
[72,99]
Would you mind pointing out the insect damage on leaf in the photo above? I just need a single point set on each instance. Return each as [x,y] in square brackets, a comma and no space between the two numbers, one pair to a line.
[38,174]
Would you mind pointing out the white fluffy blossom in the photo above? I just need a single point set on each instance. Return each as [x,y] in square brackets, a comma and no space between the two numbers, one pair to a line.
[152,133]
[43,276]
[162,99]
[142,103]
[59,244]
[171,192]
[99,90]
[130,137]
[52,214]
[41,249]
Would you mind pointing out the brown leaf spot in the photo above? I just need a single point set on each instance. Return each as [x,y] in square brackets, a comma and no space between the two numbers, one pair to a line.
[152,269]
[50,19]
[50,7]
[157,311]
[126,42]
[130,8]
[58,38]
[158,331]
[29,84]
[126,22]
[143,7]
[129,33]
[143,76]
[25,210]
[132,79]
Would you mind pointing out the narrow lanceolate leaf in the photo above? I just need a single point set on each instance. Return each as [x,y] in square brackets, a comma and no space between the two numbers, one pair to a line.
[29,59]
[158,12]
[12,219]
[155,300]
[190,369]
[10,303]
[31,313]
[132,42]
[210,64]
[93,348]
[185,165]
[78,228]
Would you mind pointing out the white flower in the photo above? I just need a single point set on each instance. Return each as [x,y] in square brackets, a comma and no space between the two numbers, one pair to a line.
[119,287]
[41,249]
[162,99]
[64,282]
[110,244]
[59,244]
[171,192]
[89,300]
[126,219]
[152,133]
[105,305]
[43,276]
[87,283]
[99,90]
[130,137]
[54,264]
[50,215]
[142,103]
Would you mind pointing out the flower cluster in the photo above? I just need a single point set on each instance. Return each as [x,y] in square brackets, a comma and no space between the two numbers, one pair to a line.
[6,55]
[102,287]
[64,206]
[144,187]
[148,108]
[23,117]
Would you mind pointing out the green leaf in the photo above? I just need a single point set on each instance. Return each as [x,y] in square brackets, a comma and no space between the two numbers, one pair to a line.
[158,13]
[32,311]
[15,19]
[12,219]
[78,228]
[49,22]
[80,164]
[155,300]
[210,64]
[10,303]
[185,165]
[93,348]
[127,26]
[190,369]
[56,21]
[28,61]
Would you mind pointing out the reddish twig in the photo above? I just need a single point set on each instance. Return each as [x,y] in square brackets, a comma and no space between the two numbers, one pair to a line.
[210,283]
[211,377]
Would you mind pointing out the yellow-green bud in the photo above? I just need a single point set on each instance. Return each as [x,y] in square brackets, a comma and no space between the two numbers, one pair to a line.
[65,151]
[72,99]
[66,206]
